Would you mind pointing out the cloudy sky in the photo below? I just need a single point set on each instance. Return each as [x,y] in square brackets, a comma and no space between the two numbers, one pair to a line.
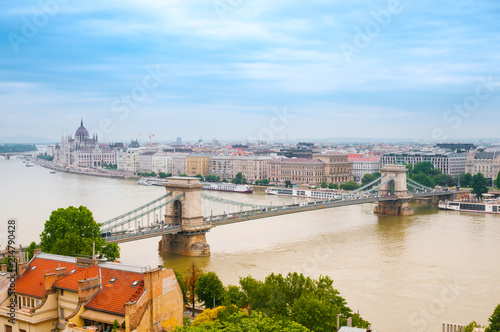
[248,69]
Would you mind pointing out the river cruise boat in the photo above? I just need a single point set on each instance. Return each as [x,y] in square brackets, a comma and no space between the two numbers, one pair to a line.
[229,187]
[488,205]
[307,193]
[151,182]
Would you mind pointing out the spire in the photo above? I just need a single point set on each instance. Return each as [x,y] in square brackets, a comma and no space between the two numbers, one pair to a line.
[81,123]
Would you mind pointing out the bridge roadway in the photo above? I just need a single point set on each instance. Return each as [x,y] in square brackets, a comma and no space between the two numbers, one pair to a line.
[265,212]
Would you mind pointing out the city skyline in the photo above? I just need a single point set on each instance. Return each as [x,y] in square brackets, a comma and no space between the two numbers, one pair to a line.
[248,70]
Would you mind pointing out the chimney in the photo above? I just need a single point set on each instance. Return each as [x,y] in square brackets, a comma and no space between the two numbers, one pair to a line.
[50,279]
[86,262]
[22,267]
[349,322]
[87,288]
[4,268]
[60,272]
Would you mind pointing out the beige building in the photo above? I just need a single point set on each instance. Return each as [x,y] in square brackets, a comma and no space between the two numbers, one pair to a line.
[170,162]
[338,168]
[252,167]
[56,293]
[486,162]
[198,163]
[298,171]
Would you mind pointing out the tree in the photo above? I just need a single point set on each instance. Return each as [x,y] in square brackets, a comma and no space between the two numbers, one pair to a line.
[494,321]
[472,325]
[116,325]
[209,289]
[332,185]
[31,249]
[182,285]
[351,185]
[239,179]
[263,182]
[478,185]
[193,273]
[234,296]
[465,179]
[324,184]
[72,231]
[199,176]
[212,178]
[163,175]
[497,181]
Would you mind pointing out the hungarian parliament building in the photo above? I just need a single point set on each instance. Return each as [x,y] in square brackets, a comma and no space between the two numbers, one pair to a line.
[83,151]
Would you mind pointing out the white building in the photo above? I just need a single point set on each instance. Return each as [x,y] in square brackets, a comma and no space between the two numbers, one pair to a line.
[364,165]
[485,162]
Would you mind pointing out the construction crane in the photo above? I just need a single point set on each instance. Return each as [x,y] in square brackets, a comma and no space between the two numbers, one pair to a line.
[150,135]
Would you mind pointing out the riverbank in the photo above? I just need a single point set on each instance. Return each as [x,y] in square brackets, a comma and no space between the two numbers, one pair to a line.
[85,171]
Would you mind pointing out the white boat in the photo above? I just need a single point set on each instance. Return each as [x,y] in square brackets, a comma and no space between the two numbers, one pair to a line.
[144,182]
[229,187]
[296,192]
[29,165]
[488,205]
[151,182]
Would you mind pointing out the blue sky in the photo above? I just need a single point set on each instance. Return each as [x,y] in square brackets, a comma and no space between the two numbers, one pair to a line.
[227,69]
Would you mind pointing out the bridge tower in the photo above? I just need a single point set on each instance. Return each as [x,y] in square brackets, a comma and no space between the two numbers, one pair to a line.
[185,212]
[396,187]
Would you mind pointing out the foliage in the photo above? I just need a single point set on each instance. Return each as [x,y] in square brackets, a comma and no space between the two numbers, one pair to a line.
[31,249]
[351,185]
[9,261]
[182,284]
[208,315]
[199,176]
[494,321]
[427,175]
[110,166]
[465,180]
[277,296]
[13,147]
[234,296]
[146,174]
[116,325]
[163,175]
[193,273]
[478,185]
[239,179]
[45,157]
[324,184]
[253,322]
[263,182]
[368,178]
[184,175]
[471,326]
[497,181]
[72,231]
[212,178]
[208,288]
[186,321]
[332,185]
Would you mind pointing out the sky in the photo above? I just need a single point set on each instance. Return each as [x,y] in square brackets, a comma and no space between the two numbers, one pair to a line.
[250,69]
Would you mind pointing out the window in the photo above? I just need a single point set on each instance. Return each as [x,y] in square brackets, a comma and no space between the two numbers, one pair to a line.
[8,328]
[62,313]
[62,292]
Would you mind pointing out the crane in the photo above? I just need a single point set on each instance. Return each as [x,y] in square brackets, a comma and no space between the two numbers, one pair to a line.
[150,135]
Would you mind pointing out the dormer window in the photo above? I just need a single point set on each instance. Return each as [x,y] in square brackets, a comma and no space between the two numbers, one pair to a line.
[72,271]
[135,283]
[113,279]
[34,267]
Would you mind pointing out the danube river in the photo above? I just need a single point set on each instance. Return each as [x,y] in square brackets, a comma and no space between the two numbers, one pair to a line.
[401,273]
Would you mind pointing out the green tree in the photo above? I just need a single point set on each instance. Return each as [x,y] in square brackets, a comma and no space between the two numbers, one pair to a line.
[351,185]
[182,285]
[239,179]
[72,231]
[208,288]
[497,181]
[314,313]
[163,175]
[471,326]
[263,182]
[116,325]
[423,179]
[31,249]
[494,321]
[465,180]
[184,175]
[234,296]
[212,178]
[332,185]
[199,176]
[324,184]
[478,185]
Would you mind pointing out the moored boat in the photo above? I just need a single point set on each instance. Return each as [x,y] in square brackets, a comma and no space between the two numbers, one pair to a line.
[229,187]
[488,204]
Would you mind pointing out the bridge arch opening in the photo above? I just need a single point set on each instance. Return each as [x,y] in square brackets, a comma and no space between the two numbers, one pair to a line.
[392,187]
[177,213]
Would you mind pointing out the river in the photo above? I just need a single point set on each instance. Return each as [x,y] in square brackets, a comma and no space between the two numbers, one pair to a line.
[401,273]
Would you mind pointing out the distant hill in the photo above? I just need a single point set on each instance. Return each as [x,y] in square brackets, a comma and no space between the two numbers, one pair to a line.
[14,147]
[24,139]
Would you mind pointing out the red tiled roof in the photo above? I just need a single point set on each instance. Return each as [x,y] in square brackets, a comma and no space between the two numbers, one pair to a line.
[32,282]
[113,296]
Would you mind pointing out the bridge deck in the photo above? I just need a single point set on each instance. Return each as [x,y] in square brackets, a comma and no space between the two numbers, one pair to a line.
[214,221]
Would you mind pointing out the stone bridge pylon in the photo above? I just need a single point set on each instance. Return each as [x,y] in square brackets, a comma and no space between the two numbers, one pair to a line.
[185,212]
[397,188]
